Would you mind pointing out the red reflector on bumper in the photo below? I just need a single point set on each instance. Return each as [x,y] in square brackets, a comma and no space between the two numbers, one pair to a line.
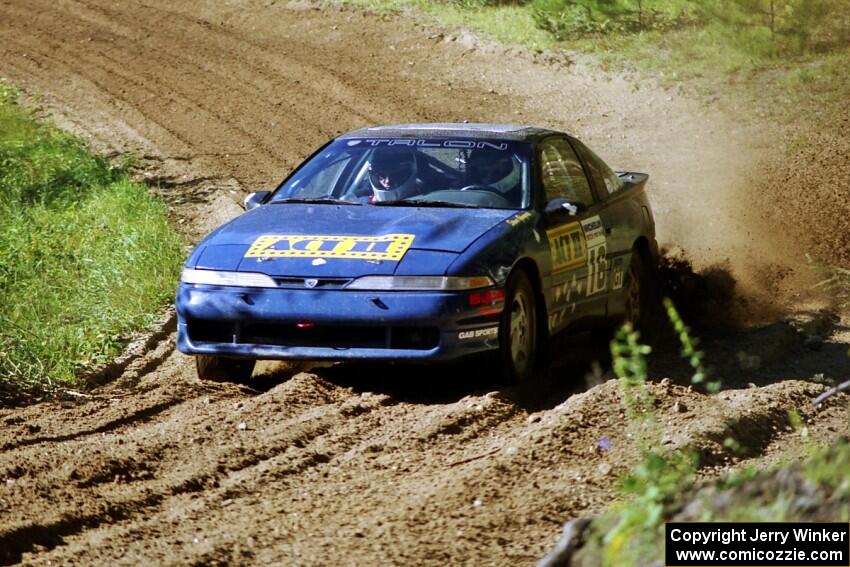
[489,297]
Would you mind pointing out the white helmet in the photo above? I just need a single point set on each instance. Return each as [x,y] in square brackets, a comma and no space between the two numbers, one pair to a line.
[498,170]
[392,174]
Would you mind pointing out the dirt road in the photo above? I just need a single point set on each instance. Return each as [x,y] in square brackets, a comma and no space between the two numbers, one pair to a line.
[367,465]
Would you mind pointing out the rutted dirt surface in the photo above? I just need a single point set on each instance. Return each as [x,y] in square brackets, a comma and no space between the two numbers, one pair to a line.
[365,465]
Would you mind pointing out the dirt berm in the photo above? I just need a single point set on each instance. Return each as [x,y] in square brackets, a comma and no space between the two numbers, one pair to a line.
[371,465]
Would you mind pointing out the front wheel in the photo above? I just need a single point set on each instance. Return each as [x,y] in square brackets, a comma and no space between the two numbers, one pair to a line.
[518,329]
[222,369]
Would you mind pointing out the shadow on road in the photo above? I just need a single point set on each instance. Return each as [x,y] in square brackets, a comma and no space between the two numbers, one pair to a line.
[576,359]
[759,356]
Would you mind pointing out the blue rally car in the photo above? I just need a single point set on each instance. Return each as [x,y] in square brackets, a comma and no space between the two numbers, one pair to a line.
[421,242]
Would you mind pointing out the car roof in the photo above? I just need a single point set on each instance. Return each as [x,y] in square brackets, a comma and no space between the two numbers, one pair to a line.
[509,132]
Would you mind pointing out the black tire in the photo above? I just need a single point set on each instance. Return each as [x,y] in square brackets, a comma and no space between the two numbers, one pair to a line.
[222,369]
[518,330]
[641,296]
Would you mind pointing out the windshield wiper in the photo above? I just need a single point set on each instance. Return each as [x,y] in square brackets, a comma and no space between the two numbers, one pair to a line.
[425,204]
[318,200]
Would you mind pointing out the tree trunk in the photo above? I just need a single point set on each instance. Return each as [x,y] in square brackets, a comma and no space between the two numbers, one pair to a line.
[640,15]
[772,17]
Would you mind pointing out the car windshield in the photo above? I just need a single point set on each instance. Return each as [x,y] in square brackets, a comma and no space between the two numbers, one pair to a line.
[414,172]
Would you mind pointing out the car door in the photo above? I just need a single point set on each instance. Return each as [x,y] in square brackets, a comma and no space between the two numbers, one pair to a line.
[577,241]
[617,215]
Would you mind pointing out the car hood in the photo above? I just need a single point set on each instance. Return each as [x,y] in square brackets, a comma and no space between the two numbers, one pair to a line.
[341,240]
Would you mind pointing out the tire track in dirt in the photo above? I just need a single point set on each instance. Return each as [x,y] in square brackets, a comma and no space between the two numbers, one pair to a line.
[142,89]
[332,465]
[249,480]
[115,477]
[271,458]
[135,417]
[99,97]
[272,76]
[553,458]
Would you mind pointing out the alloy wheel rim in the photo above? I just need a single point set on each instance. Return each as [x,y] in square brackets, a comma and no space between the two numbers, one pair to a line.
[633,297]
[521,337]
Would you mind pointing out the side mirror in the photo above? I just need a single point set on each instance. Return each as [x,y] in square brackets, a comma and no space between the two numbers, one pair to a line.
[558,207]
[255,199]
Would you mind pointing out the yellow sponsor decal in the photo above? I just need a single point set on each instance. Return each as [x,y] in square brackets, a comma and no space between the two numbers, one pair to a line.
[387,247]
[516,219]
[568,247]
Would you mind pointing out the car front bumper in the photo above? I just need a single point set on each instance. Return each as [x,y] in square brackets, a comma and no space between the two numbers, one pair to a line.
[332,324]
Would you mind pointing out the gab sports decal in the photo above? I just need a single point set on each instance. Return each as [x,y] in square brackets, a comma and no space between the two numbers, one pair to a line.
[478,333]
[387,247]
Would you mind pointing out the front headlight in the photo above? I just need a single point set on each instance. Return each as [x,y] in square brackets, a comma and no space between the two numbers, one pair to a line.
[420,283]
[214,277]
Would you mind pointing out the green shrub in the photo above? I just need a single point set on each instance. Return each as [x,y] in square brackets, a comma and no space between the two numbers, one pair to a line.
[567,19]
[628,358]
[635,525]
[793,26]
[564,19]
[835,280]
[86,256]
[475,4]
[753,30]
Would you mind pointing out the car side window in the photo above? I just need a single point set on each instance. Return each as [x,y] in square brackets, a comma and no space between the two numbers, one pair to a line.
[603,176]
[561,172]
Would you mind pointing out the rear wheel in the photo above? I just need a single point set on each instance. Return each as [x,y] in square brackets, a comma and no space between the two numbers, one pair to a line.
[641,307]
[221,369]
[518,340]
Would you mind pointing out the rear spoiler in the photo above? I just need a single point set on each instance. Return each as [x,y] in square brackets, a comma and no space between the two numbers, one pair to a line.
[632,178]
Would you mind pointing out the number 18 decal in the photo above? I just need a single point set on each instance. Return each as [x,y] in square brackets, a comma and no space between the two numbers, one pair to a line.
[597,260]
[597,270]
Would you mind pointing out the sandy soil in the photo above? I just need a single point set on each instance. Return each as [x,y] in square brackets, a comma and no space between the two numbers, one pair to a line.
[384,465]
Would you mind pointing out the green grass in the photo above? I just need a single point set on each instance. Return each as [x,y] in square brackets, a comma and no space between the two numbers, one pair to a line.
[834,280]
[692,49]
[631,532]
[828,468]
[632,527]
[677,55]
[86,255]
[506,23]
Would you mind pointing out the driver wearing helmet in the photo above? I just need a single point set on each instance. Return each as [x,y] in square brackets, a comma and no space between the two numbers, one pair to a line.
[498,171]
[392,174]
